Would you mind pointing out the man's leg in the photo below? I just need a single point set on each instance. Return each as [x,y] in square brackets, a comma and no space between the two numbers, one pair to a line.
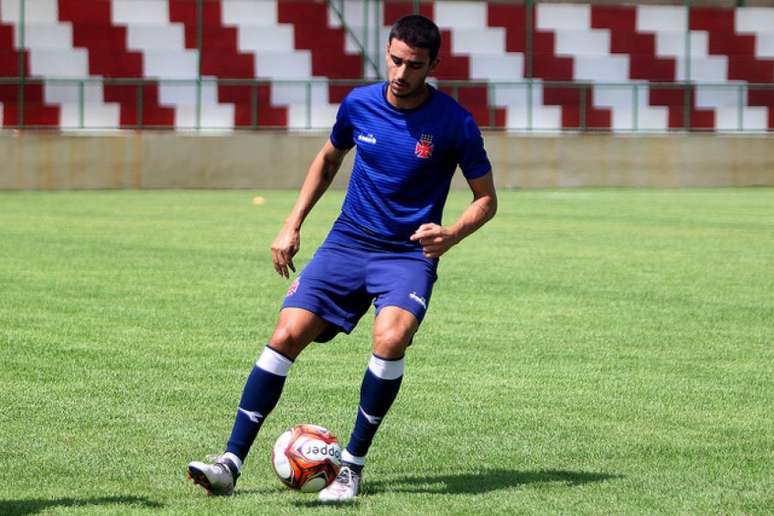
[294,331]
[393,329]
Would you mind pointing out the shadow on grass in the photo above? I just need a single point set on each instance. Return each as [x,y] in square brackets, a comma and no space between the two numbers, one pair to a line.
[482,481]
[472,483]
[36,505]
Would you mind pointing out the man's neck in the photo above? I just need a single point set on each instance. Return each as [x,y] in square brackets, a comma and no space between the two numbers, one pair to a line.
[408,102]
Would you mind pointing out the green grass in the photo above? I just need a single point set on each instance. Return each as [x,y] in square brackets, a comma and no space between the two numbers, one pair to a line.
[589,351]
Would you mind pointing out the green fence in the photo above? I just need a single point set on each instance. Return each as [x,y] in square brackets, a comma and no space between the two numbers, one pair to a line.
[626,117]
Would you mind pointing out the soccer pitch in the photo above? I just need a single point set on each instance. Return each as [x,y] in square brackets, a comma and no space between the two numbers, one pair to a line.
[588,351]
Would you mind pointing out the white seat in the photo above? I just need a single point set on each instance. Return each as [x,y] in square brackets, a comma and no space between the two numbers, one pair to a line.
[588,41]
[753,118]
[60,63]
[156,37]
[759,20]
[37,11]
[621,101]
[170,64]
[214,115]
[705,69]
[724,100]
[562,17]
[96,116]
[320,116]
[497,67]
[661,18]
[250,12]
[70,92]
[478,40]
[284,66]
[461,14]
[715,96]
[515,98]
[670,43]
[602,68]
[150,12]
[55,36]
[257,38]
[287,94]
[764,45]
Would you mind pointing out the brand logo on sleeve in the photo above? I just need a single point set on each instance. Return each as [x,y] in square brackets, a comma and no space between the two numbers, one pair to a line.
[367,138]
[424,147]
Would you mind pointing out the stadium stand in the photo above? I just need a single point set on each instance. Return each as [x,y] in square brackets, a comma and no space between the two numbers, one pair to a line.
[149,63]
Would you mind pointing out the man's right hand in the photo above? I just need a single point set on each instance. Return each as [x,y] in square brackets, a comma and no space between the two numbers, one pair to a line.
[284,248]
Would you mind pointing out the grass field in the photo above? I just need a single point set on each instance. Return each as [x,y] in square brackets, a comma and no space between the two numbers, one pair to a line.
[589,351]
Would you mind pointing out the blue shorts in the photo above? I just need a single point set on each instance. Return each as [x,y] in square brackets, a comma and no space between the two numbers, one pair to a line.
[340,283]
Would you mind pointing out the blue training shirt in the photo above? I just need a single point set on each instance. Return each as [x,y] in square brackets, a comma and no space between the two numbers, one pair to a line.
[404,163]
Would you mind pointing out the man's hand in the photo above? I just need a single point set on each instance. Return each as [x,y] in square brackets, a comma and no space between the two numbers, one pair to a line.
[284,248]
[434,239]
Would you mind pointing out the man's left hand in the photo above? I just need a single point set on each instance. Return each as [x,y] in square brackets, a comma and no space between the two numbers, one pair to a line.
[434,239]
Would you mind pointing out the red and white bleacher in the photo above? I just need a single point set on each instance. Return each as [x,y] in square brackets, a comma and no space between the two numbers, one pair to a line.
[590,66]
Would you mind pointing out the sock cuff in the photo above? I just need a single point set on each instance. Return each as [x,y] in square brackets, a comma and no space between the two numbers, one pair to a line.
[274,362]
[236,460]
[386,369]
[352,459]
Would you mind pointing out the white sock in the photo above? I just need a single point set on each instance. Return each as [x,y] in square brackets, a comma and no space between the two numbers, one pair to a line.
[352,459]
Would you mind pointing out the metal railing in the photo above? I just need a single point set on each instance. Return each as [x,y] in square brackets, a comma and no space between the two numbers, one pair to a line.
[518,96]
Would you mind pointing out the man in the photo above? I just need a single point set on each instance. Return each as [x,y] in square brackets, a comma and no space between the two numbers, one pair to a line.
[383,248]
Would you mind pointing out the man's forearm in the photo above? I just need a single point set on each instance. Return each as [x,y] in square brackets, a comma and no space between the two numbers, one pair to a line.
[475,215]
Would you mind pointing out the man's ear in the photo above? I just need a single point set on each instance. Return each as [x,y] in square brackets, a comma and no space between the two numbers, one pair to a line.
[434,64]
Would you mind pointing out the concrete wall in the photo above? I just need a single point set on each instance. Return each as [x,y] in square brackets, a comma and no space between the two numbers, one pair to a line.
[50,161]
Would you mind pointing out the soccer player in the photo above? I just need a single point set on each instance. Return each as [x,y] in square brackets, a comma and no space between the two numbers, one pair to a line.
[383,248]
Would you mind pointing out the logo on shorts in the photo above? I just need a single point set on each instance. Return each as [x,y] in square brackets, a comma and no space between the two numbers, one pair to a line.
[424,147]
[293,287]
[418,299]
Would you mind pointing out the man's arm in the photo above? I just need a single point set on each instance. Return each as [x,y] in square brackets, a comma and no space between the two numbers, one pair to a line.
[319,177]
[436,240]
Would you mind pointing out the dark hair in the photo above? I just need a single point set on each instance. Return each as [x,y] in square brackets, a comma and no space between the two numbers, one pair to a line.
[417,31]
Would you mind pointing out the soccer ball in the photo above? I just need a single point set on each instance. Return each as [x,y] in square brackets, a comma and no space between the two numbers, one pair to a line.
[306,457]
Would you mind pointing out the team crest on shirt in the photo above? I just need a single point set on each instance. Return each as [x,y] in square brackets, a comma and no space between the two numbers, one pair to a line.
[424,147]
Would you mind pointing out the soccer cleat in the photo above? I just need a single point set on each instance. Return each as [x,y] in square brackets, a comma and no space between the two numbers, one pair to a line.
[344,488]
[218,476]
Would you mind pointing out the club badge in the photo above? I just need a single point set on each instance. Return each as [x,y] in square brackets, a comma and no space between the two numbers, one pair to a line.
[293,287]
[424,147]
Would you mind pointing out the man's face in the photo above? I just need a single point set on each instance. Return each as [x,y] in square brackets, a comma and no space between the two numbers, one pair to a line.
[407,68]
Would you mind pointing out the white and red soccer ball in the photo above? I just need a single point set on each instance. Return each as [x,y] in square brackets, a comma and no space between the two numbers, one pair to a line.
[306,457]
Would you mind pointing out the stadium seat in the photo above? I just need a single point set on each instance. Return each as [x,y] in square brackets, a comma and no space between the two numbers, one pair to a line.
[276,42]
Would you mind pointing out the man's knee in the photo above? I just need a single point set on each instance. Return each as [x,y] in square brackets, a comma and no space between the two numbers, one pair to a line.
[294,332]
[391,342]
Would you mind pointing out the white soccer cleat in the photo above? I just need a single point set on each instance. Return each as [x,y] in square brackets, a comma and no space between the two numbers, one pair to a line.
[215,476]
[344,488]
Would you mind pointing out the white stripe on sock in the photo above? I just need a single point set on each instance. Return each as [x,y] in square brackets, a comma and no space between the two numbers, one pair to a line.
[386,369]
[274,362]
[352,459]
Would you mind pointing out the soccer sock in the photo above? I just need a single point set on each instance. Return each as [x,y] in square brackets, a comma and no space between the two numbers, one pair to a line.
[379,389]
[261,393]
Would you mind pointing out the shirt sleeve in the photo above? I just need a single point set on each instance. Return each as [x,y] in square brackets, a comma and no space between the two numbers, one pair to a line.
[471,154]
[341,134]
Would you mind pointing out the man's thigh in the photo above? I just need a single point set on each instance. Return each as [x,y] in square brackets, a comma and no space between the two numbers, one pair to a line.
[402,280]
[332,286]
